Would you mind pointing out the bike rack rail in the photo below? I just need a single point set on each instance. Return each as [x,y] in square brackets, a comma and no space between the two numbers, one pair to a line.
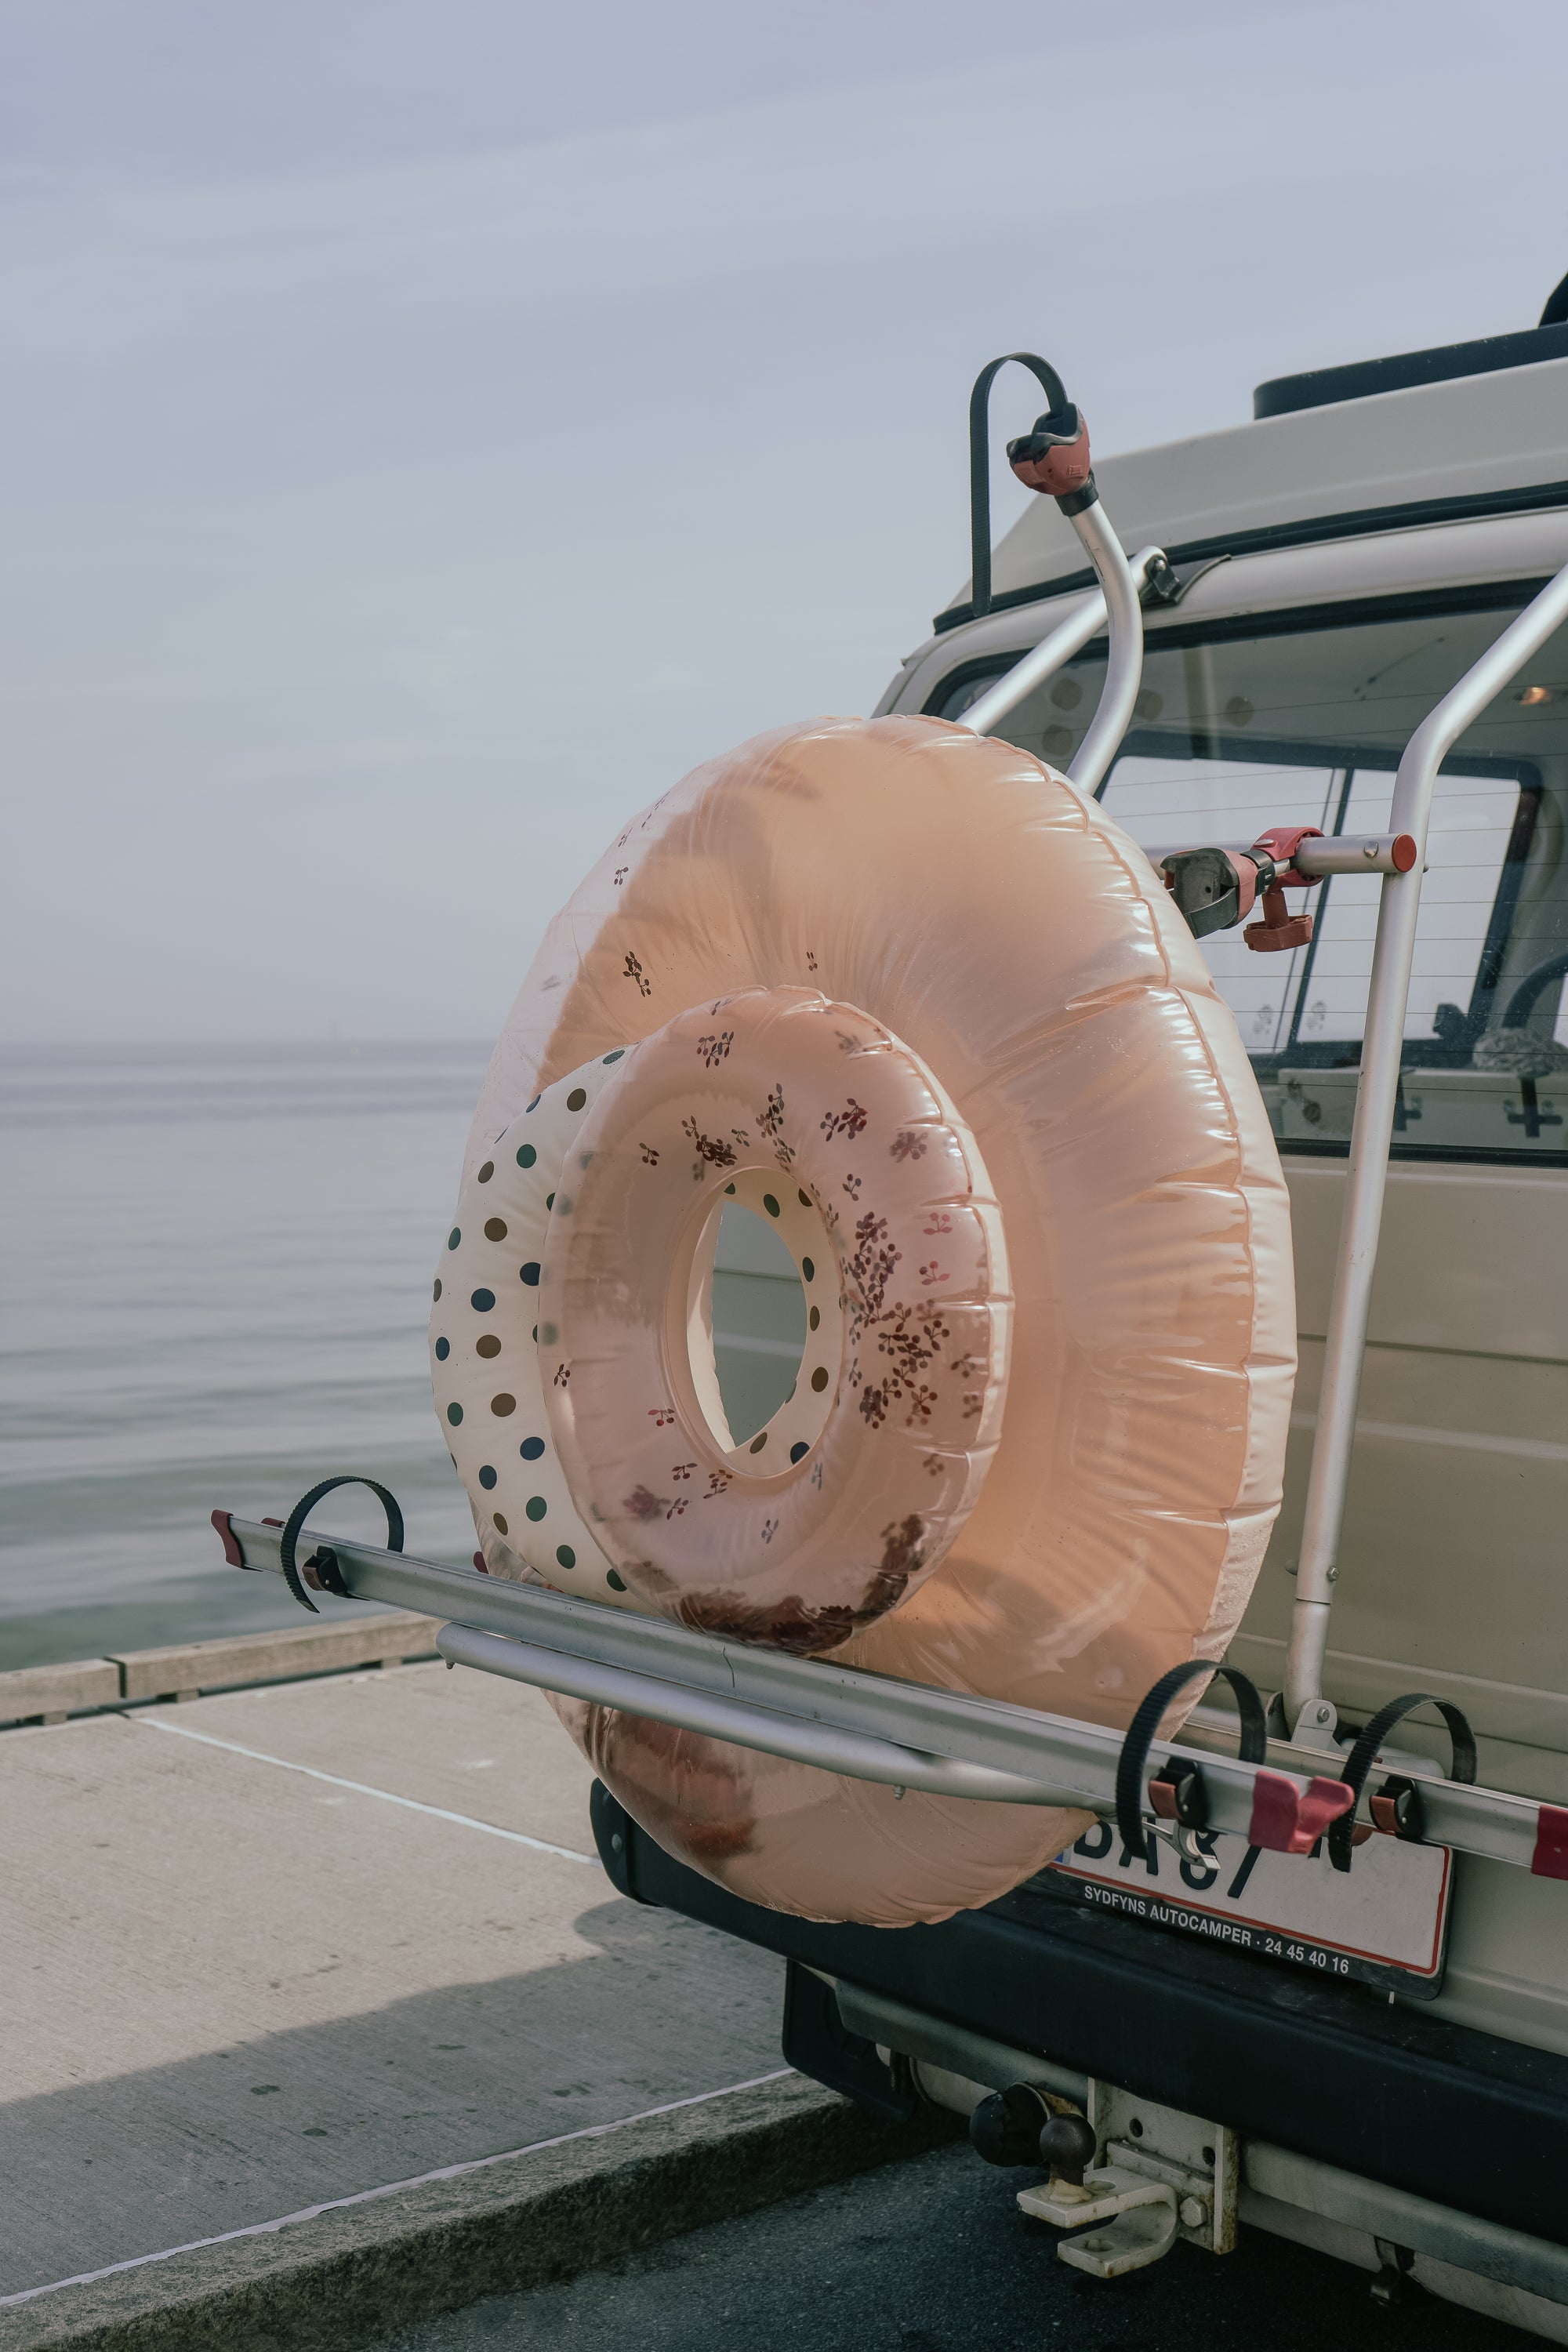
[845,1719]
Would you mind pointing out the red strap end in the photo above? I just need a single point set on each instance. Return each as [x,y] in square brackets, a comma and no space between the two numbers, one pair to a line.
[1284,1820]
[1549,1859]
[230,1541]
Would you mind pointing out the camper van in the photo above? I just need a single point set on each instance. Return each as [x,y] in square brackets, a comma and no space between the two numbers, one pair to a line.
[1186,2026]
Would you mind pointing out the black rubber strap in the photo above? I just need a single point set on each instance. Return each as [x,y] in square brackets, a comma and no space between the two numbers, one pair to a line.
[1050,383]
[301,1512]
[1133,1762]
[1364,1754]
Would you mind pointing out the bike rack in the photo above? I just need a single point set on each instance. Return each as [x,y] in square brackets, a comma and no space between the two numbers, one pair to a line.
[875,1728]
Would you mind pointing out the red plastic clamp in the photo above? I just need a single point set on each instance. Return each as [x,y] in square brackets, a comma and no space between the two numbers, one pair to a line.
[1279,929]
[1549,1859]
[1280,842]
[1286,1821]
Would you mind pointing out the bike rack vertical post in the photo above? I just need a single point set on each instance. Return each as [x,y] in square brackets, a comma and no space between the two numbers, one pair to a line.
[1054,460]
[1366,1178]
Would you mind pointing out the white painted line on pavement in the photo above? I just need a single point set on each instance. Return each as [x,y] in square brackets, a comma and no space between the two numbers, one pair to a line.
[333,1780]
[393,2188]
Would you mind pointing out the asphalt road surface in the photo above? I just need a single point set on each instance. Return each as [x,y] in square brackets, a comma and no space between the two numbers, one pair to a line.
[934,2256]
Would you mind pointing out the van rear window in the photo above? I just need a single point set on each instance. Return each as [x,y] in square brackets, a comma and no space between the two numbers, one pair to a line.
[1304,723]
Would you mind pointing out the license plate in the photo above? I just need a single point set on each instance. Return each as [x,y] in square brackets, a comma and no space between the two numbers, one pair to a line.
[1383,1923]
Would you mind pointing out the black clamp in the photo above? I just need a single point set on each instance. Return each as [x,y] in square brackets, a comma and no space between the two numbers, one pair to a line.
[321,1570]
[1177,1791]
[1397,1808]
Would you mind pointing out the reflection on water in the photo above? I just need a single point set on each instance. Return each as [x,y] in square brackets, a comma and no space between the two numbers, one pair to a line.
[214,1292]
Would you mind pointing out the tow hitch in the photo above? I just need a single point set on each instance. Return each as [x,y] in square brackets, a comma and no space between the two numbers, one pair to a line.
[1129,2178]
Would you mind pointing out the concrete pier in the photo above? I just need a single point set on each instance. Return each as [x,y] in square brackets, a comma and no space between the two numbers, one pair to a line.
[284,1946]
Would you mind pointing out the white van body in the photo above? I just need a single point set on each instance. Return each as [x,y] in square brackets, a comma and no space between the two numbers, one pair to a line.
[1369,549]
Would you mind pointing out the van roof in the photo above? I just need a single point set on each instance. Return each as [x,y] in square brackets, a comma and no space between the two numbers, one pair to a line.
[1433,452]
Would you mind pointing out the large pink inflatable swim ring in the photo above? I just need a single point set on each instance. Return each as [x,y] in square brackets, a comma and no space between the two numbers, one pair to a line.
[909,997]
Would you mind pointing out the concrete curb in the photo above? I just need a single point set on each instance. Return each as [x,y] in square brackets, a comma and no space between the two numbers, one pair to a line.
[30,1695]
[354,2273]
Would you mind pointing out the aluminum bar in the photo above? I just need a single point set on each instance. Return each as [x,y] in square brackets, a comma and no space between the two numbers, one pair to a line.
[1354,853]
[1343,852]
[767,1695]
[1124,650]
[1082,621]
[1377,1092]
[803,1742]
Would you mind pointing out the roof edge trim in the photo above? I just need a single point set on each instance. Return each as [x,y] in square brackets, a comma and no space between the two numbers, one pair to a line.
[1284,396]
[1305,531]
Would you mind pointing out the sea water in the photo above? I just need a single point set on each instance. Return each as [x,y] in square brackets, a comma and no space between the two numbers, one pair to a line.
[215,1287]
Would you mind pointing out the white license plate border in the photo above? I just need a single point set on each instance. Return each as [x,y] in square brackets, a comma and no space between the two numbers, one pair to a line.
[1126,1896]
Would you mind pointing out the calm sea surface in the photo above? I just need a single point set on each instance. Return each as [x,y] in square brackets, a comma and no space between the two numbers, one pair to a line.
[214,1286]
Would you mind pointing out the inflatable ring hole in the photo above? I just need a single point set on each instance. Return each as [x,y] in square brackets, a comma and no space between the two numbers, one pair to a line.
[764,1368]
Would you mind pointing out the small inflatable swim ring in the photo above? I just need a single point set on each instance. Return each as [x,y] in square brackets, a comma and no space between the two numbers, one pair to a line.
[909,983]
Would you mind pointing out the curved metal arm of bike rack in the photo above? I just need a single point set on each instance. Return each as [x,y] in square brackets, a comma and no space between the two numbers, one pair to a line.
[1372,1133]
[1124,657]
[1071,634]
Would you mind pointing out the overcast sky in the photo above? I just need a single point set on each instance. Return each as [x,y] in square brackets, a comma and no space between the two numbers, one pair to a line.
[430,427]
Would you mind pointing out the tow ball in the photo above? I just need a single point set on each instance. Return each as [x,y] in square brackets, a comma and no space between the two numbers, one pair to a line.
[1162,2174]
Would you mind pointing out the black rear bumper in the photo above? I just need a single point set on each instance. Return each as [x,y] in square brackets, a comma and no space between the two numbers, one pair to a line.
[1333,2071]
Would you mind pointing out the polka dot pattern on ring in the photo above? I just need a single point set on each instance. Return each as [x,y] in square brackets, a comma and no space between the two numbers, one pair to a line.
[525,1514]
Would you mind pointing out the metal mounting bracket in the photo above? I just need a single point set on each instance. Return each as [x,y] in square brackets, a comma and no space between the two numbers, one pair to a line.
[1141,2215]
[1163,2175]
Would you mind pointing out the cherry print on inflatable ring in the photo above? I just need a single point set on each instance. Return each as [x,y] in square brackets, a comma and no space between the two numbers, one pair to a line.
[897,1403]
[1010,940]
